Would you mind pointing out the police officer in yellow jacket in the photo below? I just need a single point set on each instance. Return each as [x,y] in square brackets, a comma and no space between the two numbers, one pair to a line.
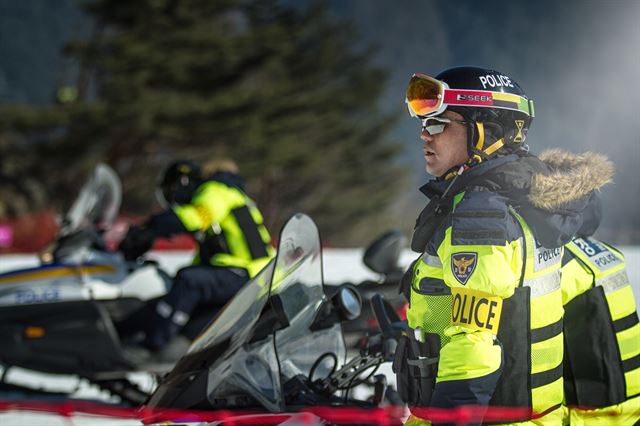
[485,312]
[602,335]
[233,243]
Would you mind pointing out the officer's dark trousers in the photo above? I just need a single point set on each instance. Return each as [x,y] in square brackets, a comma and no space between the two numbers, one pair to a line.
[193,286]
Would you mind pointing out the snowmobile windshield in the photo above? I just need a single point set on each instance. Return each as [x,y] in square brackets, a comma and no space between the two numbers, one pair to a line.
[97,204]
[262,337]
[297,295]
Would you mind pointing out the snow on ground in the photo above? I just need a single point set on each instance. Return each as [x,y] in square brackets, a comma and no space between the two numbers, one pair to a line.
[340,265]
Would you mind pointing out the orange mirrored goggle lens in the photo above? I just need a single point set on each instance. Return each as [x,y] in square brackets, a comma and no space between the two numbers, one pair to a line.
[424,95]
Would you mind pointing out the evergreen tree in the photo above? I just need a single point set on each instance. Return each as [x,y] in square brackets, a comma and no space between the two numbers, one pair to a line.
[282,91]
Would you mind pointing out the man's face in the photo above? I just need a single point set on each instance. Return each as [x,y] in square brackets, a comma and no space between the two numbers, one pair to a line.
[447,149]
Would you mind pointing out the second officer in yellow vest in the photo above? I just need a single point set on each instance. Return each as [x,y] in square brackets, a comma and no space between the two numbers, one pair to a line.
[602,335]
[486,311]
[233,243]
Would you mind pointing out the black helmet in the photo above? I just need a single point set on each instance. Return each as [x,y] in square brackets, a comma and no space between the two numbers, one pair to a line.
[496,108]
[178,182]
[498,124]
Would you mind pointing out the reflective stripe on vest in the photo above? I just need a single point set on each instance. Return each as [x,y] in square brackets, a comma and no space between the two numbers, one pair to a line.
[614,282]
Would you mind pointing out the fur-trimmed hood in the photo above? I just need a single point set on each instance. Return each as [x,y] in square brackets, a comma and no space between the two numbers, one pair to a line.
[556,193]
[570,177]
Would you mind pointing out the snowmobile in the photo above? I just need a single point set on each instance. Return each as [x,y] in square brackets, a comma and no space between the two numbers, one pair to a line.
[70,314]
[278,346]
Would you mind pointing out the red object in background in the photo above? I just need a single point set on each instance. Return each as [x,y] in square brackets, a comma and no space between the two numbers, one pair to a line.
[121,225]
[179,242]
[6,236]
[388,415]
[31,233]
[402,311]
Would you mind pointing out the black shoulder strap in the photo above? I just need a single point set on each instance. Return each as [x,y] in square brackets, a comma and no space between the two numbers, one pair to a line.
[432,216]
[251,233]
[405,282]
[428,222]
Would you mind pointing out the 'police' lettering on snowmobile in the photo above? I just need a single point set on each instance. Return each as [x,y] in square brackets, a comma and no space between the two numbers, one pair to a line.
[31,296]
[475,309]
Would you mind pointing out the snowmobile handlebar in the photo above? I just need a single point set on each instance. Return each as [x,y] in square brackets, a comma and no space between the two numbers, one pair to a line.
[389,322]
[379,348]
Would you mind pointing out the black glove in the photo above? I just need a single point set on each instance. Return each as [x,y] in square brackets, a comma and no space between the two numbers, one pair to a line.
[137,242]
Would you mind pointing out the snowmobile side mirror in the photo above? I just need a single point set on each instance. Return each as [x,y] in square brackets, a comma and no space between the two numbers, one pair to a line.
[383,253]
[349,303]
[344,304]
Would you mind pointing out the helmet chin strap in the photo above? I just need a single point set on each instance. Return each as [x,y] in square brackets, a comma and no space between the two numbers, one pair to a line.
[478,151]
[475,156]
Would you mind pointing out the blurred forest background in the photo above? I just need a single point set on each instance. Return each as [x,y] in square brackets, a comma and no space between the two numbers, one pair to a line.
[308,97]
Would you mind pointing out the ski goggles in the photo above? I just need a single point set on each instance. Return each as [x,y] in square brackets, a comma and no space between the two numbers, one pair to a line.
[436,125]
[427,97]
